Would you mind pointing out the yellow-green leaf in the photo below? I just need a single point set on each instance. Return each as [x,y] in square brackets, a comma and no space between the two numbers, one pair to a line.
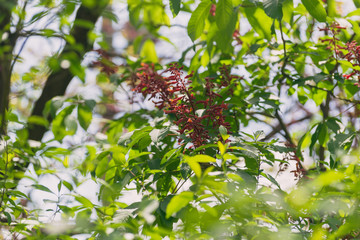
[222,148]
[195,166]
[259,21]
[178,202]
[197,20]
[315,9]
[200,158]
[148,51]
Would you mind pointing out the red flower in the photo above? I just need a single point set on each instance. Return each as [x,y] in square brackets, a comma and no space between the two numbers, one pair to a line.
[213,10]
[173,94]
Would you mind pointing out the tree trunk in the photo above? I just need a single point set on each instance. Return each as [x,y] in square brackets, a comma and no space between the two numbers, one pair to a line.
[7,43]
[58,81]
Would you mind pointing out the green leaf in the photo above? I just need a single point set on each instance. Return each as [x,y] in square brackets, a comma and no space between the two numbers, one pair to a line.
[327,178]
[331,8]
[52,106]
[273,8]
[90,103]
[178,202]
[353,13]
[38,120]
[200,158]
[271,179]
[75,66]
[110,15]
[349,64]
[224,35]
[41,188]
[224,11]
[205,59]
[102,167]
[315,9]
[175,7]
[8,217]
[288,10]
[259,21]
[84,201]
[223,132]
[314,138]
[135,154]
[333,124]
[84,116]
[222,148]
[134,12]
[195,166]
[318,96]
[59,186]
[140,135]
[64,125]
[169,155]
[37,16]
[148,51]
[252,164]
[355,26]
[350,89]
[357,3]
[67,185]
[197,20]
[70,124]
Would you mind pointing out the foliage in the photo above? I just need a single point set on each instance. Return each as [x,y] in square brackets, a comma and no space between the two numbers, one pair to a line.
[265,89]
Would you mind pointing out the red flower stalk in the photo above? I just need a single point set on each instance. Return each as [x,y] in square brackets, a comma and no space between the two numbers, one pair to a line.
[353,56]
[236,37]
[332,43]
[350,52]
[213,10]
[173,94]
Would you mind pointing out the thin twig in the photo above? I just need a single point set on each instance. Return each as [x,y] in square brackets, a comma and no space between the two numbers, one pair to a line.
[283,40]
[174,192]
[284,128]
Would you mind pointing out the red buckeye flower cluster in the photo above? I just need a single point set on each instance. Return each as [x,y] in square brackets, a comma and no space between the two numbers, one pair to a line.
[350,52]
[213,10]
[170,91]
[332,43]
[352,56]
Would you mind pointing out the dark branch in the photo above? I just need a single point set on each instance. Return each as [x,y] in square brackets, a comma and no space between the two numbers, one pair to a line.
[279,127]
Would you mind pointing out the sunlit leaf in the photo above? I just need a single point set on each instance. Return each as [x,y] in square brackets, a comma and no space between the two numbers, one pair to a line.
[259,21]
[197,20]
[315,9]
[200,158]
[178,202]
[224,11]
[148,51]
[84,201]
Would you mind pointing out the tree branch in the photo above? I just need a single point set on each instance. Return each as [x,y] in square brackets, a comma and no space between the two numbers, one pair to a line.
[279,127]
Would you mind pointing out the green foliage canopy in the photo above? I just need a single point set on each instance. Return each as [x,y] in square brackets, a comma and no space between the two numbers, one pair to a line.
[264,88]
